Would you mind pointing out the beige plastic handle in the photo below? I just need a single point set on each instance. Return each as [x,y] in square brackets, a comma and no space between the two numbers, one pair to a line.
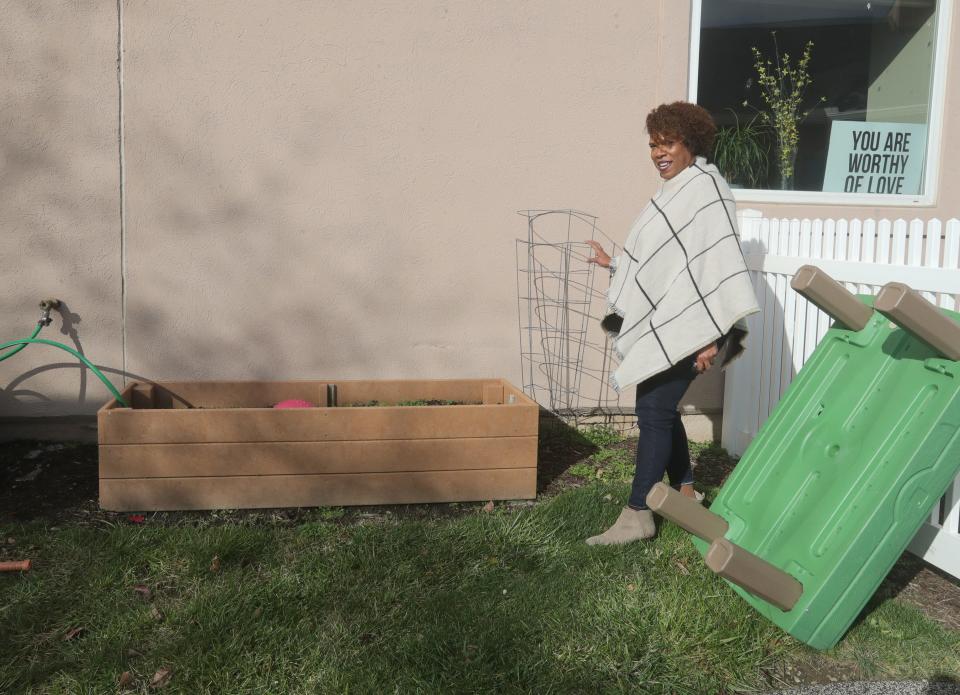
[753,573]
[727,559]
[686,513]
[906,308]
[828,294]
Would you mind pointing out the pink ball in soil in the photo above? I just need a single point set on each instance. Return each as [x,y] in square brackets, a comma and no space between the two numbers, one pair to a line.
[295,403]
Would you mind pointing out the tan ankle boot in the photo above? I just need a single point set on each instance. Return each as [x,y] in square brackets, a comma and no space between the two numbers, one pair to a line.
[631,525]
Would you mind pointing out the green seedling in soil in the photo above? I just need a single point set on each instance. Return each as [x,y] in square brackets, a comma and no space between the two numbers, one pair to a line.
[330,513]
[614,464]
[581,470]
[600,435]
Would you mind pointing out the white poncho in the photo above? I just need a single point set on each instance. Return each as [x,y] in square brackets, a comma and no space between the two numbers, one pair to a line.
[681,282]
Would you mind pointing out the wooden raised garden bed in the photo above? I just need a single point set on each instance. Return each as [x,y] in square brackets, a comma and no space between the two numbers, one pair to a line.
[221,445]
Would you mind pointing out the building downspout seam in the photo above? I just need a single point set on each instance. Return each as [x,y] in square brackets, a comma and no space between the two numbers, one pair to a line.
[122,195]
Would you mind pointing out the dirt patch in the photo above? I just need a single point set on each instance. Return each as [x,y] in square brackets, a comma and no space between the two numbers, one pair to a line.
[40,480]
[934,592]
[58,484]
[811,669]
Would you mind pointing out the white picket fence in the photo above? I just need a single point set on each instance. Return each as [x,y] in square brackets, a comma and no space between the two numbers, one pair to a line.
[864,255]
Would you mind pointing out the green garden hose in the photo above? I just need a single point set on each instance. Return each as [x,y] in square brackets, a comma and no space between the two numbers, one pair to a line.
[20,347]
[20,344]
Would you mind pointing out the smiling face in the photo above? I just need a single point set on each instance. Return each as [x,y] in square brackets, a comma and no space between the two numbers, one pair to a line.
[670,156]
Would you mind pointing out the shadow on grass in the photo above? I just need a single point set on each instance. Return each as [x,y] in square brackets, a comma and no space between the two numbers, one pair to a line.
[942,679]
[43,479]
[921,586]
[712,465]
[560,446]
[499,602]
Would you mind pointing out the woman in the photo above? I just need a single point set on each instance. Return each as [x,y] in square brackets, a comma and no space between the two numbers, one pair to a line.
[678,291]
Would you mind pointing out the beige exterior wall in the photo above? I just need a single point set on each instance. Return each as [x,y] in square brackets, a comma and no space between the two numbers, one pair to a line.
[59,204]
[317,190]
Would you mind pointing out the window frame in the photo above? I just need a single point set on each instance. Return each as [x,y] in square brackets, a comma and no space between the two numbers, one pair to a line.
[931,171]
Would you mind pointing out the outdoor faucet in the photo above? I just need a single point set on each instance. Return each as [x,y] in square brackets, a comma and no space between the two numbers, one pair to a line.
[46,306]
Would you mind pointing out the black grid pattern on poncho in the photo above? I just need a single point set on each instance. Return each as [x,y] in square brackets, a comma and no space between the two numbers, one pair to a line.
[676,232]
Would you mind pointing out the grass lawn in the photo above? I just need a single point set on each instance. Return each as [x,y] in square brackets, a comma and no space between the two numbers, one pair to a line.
[509,600]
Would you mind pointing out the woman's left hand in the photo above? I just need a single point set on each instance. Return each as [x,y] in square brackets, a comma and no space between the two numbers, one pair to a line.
[706,357]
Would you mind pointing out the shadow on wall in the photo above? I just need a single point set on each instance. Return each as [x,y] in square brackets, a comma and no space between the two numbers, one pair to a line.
[200,319]
[15,393]
[250,286]
[768,358]
[296,217]
[58,194]
[224,306]
[281,221]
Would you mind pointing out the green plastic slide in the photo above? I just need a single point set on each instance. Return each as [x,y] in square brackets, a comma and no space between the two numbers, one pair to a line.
[846,469]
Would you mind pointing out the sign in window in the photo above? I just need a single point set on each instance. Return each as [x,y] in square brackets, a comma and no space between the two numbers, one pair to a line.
[829,96]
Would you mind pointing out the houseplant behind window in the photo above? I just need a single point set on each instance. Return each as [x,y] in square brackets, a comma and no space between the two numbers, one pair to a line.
[741,153]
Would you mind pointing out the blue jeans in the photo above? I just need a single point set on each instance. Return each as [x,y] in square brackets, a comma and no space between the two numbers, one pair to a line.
[663,441]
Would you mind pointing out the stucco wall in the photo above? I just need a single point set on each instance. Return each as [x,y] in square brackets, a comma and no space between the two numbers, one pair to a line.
[325,190]
[331,190]
[316,190]
[59,208]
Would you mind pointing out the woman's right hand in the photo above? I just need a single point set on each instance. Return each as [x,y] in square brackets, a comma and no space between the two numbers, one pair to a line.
[601,259]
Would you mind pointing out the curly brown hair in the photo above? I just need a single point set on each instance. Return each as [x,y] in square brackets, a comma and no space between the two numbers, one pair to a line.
[685,121]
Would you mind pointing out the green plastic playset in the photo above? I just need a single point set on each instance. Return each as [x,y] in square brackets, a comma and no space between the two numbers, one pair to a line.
[846,469]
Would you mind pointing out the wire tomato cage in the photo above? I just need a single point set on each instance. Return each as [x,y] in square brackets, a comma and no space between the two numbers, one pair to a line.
[566,358]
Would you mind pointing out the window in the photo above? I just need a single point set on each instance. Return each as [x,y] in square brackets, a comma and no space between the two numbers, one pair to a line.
[870,72]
